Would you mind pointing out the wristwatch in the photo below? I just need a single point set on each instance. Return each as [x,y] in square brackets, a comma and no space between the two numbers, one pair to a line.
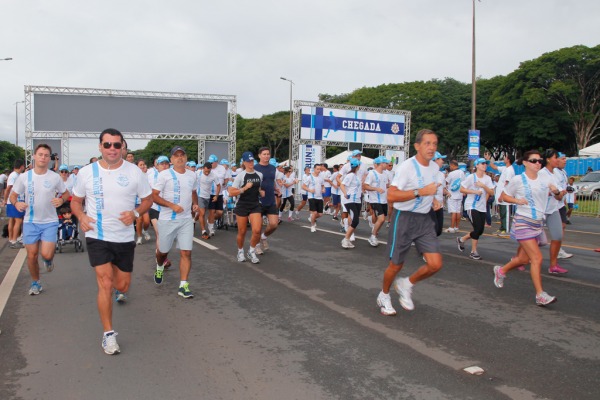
[416,193]
[136,214]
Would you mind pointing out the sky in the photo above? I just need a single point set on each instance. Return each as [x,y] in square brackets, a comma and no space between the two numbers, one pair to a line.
[242,48]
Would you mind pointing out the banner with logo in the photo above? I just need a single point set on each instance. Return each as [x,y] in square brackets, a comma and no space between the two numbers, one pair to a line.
[473,145]
[336,125]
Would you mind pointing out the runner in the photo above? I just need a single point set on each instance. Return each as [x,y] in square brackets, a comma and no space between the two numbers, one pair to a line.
[215,208]
[268,201]
[453,181]
[160,164]
[44,191]
[208,189]
[303,193]
[335,193]
[142,224]
[247,187]
[529,191]
[563,181]
[412,192]
[288,184]
[376,184]
[326,176]
[438,215]
[314,186]
[15,217]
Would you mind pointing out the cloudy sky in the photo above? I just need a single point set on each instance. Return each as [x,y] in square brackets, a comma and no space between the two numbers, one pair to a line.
[242,47]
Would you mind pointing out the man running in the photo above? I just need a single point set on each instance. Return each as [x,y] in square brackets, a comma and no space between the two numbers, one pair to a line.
[208,190]
[376,184]
[268,202]
[15,217]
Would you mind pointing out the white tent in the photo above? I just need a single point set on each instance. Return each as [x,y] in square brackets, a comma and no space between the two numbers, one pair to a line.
[593,151]
[343,157]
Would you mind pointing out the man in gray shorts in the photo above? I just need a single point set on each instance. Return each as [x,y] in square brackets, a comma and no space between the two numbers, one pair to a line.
[412,191]
[209,188]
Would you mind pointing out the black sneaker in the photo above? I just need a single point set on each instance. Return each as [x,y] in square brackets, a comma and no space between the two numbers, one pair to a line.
[158,276]
[460,244]
[475,256]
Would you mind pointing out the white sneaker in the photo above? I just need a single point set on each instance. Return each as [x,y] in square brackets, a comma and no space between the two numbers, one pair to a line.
[139,240]
[373,241]
[258,249]
[564,254]
[264,245]
[211,232]
[371,225]
[347,244]
[240,256]
[384,301]
[109,344]
[352,238]
[146,235]
[402,287]
[252,256]
[313,228]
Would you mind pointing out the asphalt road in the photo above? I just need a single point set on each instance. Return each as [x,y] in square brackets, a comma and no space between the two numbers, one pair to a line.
[303,324]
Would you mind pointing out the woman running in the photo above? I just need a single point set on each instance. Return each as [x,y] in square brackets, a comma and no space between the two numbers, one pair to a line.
[143,222]
[351,188]
[287,185]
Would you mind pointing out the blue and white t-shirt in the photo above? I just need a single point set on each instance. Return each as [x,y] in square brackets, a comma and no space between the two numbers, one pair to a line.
[107,194]
[534,190]
[377,180]
[39,190]
[477,201]
[353,186]
[176,188]
[411,175]
[207,184]
[552,205]
[315,183]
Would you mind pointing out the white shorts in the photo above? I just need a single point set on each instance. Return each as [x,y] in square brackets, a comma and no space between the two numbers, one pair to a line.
[454,206]
[180,229]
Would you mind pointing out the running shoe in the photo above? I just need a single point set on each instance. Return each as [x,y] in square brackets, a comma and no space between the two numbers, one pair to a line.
[543,299]
[146,235]
[384,302]
[211,232]
[335,218]
[120,297]
[387,224]
[264,244]
[402,287]
[16,245]
[557,270]
[35,288]
[564,254]
[460,244]
[49,264]
[139,240]
[450,230]
[252,256]
[313,228]
[498,277]
[373,241]
[475,256]
[158,276]
[258,249]
[205,235]
[352,238]
[504,234]
[109,343]
[347,244]
[240,256]
[184,291]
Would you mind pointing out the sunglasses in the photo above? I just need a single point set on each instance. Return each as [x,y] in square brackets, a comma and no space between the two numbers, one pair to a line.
[535,160]
[116,145]
[64,172]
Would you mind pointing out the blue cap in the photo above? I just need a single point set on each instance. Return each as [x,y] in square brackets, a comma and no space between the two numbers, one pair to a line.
[191,163]
[63,167]
[438,155]
[76,167]
[481,161]
[561,155]
[224,162]
[381,159]
[247,156]
[213,158]
[162,159]
[354,162]
[356,152]
[273,162]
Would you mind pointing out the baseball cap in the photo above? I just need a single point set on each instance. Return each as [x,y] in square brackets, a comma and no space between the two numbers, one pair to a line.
[224,162]
[561,155]
[176,149]
[354,162]
[162,159]
[76,167]
[356,152]
[273,162]
[213,158]
[191,163]
[438,155]
[63,167]
[381,159]
[246,156]
[481,161]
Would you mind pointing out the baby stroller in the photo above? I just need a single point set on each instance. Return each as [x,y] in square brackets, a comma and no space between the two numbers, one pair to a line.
[68,234]
[229,219]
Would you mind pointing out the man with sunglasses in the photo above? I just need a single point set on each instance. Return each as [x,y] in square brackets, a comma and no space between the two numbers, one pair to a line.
[109,188]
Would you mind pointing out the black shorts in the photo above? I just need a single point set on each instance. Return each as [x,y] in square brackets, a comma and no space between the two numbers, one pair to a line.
[153,214]
[216,205]
[101,252]
[563,214]
[243,210]
[270,210]
[379,209]
[315,205]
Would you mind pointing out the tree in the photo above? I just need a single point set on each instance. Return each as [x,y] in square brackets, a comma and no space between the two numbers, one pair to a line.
[8,154]
[271,130]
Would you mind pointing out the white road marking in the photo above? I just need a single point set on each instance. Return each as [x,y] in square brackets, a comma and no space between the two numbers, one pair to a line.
[11,277]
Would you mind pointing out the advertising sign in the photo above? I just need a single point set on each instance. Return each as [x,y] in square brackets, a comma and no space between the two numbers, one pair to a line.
[473,145]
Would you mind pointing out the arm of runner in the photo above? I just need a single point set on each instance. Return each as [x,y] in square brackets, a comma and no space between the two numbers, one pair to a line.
[85,222]
[162,202]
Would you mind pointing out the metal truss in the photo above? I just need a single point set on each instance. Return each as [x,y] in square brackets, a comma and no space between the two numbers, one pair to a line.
[324,143]
[65,136]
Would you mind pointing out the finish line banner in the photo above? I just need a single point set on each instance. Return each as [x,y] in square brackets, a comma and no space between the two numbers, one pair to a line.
[336,125]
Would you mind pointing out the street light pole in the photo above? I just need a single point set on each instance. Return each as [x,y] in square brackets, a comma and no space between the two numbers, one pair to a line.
[17,122]
[473,83]
[6,59]
[291,117]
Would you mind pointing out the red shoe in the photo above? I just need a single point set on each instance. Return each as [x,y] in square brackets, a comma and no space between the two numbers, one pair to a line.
[557,270]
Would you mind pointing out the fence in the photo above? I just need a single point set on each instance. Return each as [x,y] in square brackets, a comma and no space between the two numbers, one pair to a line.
[588,206]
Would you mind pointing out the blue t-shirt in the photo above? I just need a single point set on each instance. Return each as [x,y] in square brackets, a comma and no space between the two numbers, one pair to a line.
[268,183]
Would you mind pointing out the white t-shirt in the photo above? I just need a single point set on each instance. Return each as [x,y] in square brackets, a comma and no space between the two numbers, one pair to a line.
[361,172]
[221,173]
[39,190]
[441,180]
[505,176]
[334,186]
[176,188]
[353,187]
[71,180]
[475,201]
[570,197]
[455,176]
[302,191]
[286,191]
[107,194]
[377,180]
[536,193]
[551,204]
[279,176]
[12,178]
[3,179]
[407,178]
[563,180]
[152,177]
[316,183]
[207,184]
[326,175]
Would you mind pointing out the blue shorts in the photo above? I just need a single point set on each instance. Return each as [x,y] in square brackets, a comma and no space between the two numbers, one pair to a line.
[304,197]
[33,233]
[12,212]
[327,192]
[336,199]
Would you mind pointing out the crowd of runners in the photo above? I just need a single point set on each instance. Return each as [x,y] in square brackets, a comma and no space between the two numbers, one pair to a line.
[173,194]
